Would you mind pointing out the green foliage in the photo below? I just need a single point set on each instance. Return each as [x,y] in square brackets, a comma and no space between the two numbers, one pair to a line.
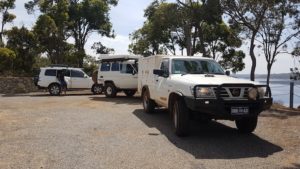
[88,16]
[194,26]
[23,43]
[101,49]
[7,57]
[233,60]
[70,18]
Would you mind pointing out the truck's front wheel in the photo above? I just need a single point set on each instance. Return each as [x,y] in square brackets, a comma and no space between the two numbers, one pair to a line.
[246,125]
[180,117]
[148,104]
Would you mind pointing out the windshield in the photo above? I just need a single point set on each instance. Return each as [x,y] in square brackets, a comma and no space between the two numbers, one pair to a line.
[196,66]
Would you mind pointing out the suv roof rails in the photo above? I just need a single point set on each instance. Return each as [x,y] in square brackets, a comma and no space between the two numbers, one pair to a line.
[117,59]
[58,65]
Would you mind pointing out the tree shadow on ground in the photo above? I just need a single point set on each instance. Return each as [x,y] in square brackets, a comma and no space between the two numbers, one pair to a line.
[119,100]
[211,140]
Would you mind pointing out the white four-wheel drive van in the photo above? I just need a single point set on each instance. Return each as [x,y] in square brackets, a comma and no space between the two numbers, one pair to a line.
[118,73]
[196,86]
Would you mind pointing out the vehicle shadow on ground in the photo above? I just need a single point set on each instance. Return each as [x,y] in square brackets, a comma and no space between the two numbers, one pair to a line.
[45,95]
[212,140]
[119,100]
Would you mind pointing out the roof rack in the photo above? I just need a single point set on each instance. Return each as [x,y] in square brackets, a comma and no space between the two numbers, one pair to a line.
[116,58]
[58,65]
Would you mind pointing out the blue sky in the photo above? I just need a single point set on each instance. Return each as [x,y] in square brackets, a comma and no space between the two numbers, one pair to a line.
[127,17]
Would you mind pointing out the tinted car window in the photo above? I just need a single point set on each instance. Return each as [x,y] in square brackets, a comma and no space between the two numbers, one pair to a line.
[77,73]
[105,67]
[115,67]
[67,73]
[50,72]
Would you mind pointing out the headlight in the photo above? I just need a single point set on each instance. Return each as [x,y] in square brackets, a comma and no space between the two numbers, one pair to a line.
[261,92]
[252,93]
[204,92]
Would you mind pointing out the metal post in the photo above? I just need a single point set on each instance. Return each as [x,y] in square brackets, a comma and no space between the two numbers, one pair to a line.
[292,94]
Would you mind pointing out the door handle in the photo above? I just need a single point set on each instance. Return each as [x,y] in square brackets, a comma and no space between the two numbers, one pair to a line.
[101,76]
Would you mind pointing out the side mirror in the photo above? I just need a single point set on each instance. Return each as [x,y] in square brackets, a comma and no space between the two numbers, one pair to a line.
[158,72]
[227,73]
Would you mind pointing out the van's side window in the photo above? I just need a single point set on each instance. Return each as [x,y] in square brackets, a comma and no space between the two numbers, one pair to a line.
[115,66]
[126,68]
[105,67]
[50,72]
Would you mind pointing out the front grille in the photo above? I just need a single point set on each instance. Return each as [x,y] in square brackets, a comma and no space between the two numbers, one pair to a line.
[227,92]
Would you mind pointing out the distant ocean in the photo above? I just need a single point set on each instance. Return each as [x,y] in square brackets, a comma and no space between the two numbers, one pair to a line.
[280,86]
[281,91]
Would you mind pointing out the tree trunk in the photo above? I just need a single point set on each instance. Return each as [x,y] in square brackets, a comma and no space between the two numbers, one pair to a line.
[269,66]
[202,46]
[188,42]
[253,58]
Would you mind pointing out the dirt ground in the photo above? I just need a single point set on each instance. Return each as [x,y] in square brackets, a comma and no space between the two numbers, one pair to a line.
[85,131]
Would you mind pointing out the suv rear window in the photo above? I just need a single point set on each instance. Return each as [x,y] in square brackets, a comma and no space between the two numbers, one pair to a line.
[77,73]
[50,72]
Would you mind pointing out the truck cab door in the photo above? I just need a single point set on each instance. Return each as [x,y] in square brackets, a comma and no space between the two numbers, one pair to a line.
[161,84]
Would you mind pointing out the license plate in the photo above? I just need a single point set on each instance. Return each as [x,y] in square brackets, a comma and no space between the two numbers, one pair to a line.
[239,110]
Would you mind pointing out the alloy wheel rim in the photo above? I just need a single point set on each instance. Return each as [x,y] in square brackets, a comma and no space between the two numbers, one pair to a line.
[55,90]
[109,90]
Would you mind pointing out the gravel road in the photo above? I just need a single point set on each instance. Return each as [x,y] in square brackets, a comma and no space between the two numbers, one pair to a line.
[82,131]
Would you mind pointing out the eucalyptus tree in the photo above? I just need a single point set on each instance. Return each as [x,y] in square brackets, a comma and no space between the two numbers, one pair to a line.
[86,17]
[23,42]
[280,26]
[249,16]
[6,16]
[51,27]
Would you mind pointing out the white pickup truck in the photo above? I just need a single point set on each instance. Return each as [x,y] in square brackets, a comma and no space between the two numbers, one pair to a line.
[197,86]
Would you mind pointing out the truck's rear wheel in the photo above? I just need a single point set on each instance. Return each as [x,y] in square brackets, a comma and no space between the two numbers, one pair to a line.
[148,103]
[97,89]
[246,125]
[54,89]
[180,117]
[129,93]
[110,90]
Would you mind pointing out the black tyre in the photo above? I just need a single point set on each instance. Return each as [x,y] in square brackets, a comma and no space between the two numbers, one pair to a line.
[180,115]
[246,125]
[97,89]
[54,89]
[130,93]
[110,90]
[148,104]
